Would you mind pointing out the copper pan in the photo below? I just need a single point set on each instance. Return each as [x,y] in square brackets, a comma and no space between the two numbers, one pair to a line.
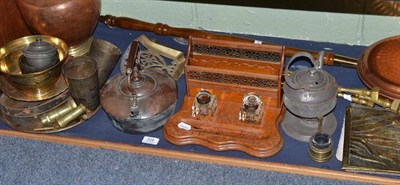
[379,66]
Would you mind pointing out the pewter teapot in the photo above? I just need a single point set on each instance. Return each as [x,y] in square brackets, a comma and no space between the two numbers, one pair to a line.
[309,92]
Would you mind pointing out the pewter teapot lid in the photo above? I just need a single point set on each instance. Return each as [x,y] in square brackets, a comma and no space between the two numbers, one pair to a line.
[309,91]
[307,78]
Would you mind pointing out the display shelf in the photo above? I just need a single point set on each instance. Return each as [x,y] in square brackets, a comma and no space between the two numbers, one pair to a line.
[98,131]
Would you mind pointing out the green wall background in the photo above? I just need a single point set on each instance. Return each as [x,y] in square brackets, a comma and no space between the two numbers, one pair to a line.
[353,29]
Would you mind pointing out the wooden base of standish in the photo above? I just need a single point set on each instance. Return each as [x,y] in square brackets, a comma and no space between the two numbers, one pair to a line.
[224,131]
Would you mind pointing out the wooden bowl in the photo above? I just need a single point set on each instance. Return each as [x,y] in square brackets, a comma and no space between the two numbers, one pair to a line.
[379,66]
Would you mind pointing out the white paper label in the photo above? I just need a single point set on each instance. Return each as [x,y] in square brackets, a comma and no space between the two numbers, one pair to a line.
[150,140]
[184,126]
[257,42]
[347,97]
[339,151]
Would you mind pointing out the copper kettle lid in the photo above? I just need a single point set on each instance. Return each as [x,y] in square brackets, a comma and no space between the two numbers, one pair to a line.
[379,66]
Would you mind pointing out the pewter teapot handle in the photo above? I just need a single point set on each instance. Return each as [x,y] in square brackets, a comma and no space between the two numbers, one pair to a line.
[316,63]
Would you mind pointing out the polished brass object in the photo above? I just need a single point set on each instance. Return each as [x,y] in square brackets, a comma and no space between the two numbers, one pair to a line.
[369,98]
[252,108]
[72,115]
[26,116]
[81,49]
[204,104]
[372,140]
[58,112]
[356,100]
[42,129]
[360,91]
[33,86]
[320,147]
[155,56]
[392,105]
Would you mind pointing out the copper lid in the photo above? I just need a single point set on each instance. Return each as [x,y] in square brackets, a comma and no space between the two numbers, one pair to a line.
[379,66]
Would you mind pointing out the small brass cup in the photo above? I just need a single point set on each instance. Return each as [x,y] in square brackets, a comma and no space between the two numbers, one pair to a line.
[320,147]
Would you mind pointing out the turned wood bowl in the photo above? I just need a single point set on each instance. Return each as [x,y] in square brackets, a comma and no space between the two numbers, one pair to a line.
[379,66]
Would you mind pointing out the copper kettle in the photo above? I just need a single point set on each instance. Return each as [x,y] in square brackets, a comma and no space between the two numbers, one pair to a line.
[139,101]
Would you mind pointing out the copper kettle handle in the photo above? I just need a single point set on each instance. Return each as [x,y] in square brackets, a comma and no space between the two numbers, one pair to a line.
[316,63]
[133,74]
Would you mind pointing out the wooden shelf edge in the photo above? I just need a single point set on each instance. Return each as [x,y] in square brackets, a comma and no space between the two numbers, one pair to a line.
[222,160]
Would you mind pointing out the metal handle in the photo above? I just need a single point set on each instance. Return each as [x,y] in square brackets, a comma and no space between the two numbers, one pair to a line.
[132,72]
[316,63]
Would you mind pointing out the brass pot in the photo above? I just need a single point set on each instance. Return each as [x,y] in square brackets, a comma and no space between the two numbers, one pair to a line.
[33,86]
[71,20]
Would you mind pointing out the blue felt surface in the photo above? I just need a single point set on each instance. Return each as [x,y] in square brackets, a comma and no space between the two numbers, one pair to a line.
[99,127]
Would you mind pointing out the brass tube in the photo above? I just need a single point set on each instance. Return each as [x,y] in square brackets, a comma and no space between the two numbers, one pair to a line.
[60,111]
[358,91]
[357,100]
[71,116]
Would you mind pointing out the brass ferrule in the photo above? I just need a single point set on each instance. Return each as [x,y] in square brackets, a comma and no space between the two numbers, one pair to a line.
[81,49]
[320,147]
[71,116]
[383,102]
[60,111]
[44,129]
[395,107]
[345,61]
[360,91]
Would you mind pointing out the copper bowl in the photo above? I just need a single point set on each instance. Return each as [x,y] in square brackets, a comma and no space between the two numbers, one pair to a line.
[379,66]
[70,20]
[34,86]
